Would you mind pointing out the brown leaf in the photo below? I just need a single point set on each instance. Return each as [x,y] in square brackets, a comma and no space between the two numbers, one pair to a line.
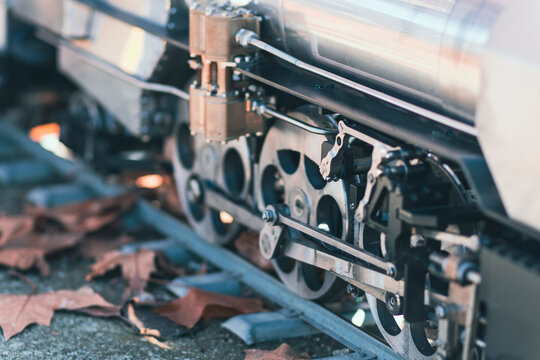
[167,195]
[102,311]
[136,267]
[88,216]
[95,246]
[14,226]
[283,352]
[28,251]
[248,246]
[166,268]
[197,304]
[148,323]
[19,311]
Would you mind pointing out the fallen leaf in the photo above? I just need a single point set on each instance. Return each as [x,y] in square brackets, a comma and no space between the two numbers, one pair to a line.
[166,268]
[154,341]
[148,323]
[247,245]
[197,304]
[136,267]
[167,195]
[19,311]
[14,226]
[95,246]
[283,352]
[88,216]
[28,251]
[102,311]
[25,240]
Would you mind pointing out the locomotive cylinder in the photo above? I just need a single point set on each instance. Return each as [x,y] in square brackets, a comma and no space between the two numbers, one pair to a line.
[428,51]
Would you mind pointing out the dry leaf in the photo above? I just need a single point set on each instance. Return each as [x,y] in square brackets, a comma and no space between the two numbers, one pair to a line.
[25,240]
[197,304]
[14,226]
[167,195]
[148,323]
[154,341]
[248,246]
[283,352]
[166,268]
[95,246]
[88,216]
[136,267]
[19,311]
[28,251]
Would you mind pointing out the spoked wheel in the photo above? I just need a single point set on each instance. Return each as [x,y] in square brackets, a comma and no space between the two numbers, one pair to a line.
[199,164]
[411,340]
[289,174]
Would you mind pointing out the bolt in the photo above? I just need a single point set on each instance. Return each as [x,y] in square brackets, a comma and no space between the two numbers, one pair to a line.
[440,311]
[392,271]
[194,191]
[353,290]
[268,215]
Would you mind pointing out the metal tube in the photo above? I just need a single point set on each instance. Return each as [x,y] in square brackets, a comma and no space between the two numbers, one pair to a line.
[114,71]
[428,52]
[249,38]
[264,110]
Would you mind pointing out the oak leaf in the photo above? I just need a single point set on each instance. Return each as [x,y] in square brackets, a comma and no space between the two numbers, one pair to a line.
[197,304]
[19,311]
[283,352]
[136,267]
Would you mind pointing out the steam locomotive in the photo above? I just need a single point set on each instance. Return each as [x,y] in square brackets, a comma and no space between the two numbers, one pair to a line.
[384,148]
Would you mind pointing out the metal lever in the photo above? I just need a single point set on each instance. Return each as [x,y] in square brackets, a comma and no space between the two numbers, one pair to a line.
[276,216]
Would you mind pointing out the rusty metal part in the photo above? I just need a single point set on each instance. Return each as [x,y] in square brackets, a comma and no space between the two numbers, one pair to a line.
[221,107]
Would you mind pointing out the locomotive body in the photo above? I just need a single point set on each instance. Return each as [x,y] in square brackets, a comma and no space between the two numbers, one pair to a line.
[376,146]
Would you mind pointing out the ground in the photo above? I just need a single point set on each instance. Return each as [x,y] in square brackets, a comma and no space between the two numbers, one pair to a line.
[77,336]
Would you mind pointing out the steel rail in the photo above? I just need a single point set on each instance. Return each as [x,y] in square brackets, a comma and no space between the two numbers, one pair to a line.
[258,280]
[249,38]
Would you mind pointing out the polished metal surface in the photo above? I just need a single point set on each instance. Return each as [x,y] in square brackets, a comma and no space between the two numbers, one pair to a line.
[427,50]
[250,39]
[124,62]
[288,173]
[117,73]
[67,18]
[3,25]
[131,49]
[508,110]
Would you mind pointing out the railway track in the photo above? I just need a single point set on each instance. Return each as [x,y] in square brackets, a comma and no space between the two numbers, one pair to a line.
[362,345]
